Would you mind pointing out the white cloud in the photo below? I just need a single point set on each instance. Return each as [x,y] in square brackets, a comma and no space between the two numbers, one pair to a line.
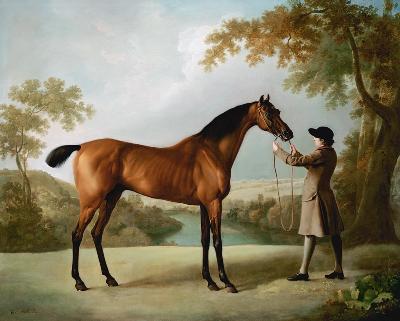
[104,28]
[113,58]
[192,46]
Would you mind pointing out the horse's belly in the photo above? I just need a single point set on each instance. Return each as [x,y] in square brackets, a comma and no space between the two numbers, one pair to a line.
[162,190]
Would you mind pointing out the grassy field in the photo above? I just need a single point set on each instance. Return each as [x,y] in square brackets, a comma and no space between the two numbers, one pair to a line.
[164,283]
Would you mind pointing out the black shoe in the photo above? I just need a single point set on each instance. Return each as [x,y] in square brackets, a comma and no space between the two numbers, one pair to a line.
[298,277]
[335,275]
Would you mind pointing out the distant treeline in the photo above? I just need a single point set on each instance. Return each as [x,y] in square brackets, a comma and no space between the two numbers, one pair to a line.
[263,213]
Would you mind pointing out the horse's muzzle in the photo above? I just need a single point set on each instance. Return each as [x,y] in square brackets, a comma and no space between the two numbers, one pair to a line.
[287,135]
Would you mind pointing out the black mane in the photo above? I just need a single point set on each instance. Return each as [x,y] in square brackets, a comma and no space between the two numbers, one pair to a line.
[224,123]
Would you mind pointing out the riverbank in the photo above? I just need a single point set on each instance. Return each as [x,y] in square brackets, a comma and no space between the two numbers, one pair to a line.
[233,233]
[164,283]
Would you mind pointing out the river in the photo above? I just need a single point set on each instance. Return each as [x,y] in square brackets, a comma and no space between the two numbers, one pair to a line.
[232,234]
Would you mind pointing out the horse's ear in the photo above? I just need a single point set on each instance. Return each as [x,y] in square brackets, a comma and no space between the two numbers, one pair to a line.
[261,100]
[268,97]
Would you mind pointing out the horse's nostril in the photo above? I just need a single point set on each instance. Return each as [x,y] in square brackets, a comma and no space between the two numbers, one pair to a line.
[288,134]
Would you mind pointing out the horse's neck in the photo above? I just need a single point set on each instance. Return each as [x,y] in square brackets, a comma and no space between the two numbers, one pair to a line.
[229,145]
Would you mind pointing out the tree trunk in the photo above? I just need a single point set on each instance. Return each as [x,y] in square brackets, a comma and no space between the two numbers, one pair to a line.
[374,221]
[395,197]
[26,186]
[368,130]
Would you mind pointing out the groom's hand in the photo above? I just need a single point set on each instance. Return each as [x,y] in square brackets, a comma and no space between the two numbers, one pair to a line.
[275,146]
[293,149]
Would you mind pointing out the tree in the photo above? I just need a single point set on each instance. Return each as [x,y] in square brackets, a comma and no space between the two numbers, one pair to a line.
[345,180]
[341,50]
[34,107]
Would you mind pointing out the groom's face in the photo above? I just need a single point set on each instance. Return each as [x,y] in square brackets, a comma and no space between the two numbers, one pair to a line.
[318,141]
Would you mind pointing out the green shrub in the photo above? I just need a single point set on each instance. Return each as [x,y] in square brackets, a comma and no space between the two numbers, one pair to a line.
[379,293]
[22,225]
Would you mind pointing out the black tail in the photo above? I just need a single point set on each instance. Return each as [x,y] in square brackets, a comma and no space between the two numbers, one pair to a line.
[58,156]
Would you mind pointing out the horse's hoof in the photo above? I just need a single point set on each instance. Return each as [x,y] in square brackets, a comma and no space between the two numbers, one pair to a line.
[80,286]
[111,282]
[213,287]
[231,289]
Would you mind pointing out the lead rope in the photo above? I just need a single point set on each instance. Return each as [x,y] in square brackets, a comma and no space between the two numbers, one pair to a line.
[279,197]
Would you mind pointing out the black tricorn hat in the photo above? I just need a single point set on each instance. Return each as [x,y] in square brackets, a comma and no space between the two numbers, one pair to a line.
[322,132]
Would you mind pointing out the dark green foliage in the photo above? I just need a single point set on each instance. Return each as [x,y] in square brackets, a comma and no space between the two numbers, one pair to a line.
[372,285]
[233,214]
[376,294]
[23,227]
[374,297]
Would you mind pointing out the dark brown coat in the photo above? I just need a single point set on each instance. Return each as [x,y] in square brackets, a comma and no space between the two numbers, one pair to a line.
[319,211]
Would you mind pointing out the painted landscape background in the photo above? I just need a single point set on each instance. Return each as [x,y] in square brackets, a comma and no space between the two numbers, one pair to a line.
[154,72]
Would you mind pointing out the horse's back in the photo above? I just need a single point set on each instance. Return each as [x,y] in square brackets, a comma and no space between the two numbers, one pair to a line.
[165,173]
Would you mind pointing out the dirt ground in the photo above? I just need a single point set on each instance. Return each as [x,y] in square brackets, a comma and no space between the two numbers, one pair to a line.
[164,283]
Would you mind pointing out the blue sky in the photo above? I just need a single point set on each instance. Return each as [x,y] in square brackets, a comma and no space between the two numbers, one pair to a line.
[137,63]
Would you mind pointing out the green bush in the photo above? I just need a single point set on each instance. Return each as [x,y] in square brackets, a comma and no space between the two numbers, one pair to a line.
[378,293]
[372,285]
[22,225]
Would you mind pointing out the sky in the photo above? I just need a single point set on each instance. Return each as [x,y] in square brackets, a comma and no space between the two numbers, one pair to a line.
[137,63]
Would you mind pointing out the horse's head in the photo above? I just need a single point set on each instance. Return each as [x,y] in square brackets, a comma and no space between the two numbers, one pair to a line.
[268,119]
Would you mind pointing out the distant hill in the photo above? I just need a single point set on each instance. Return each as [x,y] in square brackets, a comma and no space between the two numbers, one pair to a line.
[40,181]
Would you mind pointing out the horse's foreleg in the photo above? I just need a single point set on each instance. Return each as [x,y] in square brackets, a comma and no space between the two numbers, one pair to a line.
[205,242]
[105,211]
[85,217]
[215,210]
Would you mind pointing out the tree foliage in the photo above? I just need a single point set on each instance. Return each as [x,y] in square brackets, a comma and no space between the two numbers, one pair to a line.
[313,38]
[34,106]
[25,121]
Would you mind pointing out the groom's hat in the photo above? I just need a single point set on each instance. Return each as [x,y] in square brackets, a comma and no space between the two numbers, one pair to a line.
[322,132]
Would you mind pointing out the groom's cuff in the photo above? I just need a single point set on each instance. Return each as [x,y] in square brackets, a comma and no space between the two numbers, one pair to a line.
[280,153]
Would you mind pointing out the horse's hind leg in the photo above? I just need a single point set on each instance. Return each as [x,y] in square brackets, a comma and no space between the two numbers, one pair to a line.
[106,208]
[205,242]
[85,216]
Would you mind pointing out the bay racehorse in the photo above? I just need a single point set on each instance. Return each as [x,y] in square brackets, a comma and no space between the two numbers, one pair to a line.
[195,171]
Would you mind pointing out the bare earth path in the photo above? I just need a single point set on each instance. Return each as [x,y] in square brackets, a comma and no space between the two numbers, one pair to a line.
[164,283]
